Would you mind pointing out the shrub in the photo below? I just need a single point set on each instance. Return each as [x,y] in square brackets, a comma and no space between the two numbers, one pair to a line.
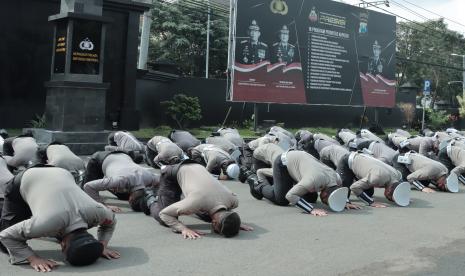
[437,118]
[183,109]
[38,122]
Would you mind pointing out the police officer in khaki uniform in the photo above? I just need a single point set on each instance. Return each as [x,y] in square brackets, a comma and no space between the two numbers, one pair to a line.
[20,151]
[217,161]
[370,173]
[332,155]
[309,176]
[59,155]
[379,151]
[264,160]
[122,175]
[45,202]
[283,51]
[183,139]
[346,135]
[162,151]
[453,158]
[252,50]
[203,195]
[420,171]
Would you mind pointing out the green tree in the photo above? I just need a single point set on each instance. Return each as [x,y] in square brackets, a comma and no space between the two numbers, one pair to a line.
[178,34]
[418,42]
[183,109]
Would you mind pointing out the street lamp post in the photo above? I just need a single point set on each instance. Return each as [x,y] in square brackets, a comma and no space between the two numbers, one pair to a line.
[463,79]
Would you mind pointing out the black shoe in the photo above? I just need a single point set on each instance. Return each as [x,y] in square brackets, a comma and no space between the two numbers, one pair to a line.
[253,183]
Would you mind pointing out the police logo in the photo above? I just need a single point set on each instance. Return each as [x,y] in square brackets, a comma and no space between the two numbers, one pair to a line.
[313,16]
[261,53]
[86,45]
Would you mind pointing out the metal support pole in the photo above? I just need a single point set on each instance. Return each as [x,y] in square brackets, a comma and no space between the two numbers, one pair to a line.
[463,79]
[255,117]
[144,41]
[208,42]
[423,119]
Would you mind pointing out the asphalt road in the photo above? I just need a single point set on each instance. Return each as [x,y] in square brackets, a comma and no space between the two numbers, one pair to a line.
[427,238]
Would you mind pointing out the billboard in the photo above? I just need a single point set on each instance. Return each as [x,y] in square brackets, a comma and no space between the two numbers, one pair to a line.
[311,52]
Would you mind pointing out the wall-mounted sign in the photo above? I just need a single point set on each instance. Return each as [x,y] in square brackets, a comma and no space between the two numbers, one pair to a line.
[60,48]
[316,52]
[85,55]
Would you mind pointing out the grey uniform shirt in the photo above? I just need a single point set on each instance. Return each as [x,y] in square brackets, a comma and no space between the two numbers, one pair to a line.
[5,176]
[125,141]
[25,149]
[58,207]
[254,144]
[61,156]
[442,136]
[310,175]
[202,194]
[396,139]
[317,136]
[402,132]
[213,156]
[320,144]
[371,172]
[166,149]
[424,168]
[457,156]
[232,135]
[333,153]
[382,152]
[267,153]
[121,175]
[222,143]
[365,133]
[422,145]
[346,136]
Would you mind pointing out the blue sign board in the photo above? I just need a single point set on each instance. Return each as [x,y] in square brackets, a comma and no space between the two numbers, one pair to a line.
[427,88]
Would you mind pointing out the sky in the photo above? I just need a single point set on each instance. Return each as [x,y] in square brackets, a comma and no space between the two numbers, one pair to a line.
[451,9]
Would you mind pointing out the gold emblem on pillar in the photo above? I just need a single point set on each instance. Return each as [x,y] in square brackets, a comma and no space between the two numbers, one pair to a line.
[279,7]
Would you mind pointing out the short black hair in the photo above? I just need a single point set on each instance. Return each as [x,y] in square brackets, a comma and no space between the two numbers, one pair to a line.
[230,224]
[83,249]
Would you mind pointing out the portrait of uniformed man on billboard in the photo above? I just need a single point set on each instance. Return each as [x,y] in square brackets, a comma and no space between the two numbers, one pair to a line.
[252,50]
[375,65]
[283,51]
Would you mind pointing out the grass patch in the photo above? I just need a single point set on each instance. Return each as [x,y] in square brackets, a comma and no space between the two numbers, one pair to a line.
[205,131]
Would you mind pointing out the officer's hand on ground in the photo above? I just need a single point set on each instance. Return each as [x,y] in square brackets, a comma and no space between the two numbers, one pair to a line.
[110,254]
[41,265]
[114,209]
[246,228]
[191,234]
[378,205]
[319,212]
[351,206]
[428,190]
